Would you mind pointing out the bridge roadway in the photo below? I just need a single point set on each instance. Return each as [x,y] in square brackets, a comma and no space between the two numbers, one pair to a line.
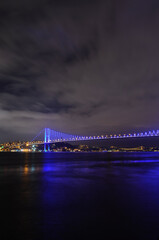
[102,137]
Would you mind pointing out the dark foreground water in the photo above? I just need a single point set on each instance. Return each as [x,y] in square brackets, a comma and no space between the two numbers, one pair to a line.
[62,196]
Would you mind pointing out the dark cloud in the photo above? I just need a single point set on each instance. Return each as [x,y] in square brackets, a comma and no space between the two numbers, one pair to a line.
[78,66]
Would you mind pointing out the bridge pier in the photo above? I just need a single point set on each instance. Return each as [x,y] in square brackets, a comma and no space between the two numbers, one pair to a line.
[47,140]
[46,147]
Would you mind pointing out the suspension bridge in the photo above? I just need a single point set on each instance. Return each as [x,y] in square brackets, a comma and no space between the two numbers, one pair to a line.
[51,136]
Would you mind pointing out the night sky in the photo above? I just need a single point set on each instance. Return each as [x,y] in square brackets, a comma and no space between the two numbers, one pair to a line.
[81,67]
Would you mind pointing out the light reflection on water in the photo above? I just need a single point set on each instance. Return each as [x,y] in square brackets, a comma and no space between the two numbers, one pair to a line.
[80,196]
[83,166]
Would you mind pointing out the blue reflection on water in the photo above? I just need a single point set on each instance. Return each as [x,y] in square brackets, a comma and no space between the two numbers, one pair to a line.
[81,196]
[97,190]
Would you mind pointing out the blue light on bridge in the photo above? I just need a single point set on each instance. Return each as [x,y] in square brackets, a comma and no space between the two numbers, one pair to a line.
[52,136]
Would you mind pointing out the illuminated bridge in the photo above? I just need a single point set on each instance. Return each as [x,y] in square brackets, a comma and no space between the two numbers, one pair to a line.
[52,136]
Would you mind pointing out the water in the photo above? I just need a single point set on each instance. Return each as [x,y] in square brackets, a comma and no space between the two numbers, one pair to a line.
[79,196]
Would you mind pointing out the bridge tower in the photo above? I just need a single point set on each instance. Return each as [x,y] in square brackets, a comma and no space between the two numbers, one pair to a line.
[47,139]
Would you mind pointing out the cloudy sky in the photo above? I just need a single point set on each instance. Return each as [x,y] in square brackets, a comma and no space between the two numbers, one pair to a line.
[82,67]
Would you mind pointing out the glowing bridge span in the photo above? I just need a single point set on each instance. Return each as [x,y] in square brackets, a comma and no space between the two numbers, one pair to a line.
[52,136]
